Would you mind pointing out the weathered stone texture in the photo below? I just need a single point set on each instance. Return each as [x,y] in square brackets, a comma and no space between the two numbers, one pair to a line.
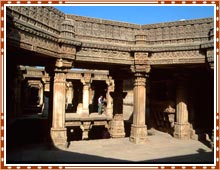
[127,51]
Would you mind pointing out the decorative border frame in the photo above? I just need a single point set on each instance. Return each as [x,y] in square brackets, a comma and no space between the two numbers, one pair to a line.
[153,2]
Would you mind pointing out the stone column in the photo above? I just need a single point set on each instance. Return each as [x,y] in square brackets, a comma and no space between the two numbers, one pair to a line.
[86,80]
[18,95]
[58,80]
[69,93]
[181,126]
[138,128]
[110,88]
[117,124]
[41,94]
[141,69]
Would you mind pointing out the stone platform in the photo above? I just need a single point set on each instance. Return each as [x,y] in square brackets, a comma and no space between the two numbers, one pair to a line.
[160,148]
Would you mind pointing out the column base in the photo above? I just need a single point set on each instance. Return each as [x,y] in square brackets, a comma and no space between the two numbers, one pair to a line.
[117,129]
[182,130]
[59,136]
[138,134]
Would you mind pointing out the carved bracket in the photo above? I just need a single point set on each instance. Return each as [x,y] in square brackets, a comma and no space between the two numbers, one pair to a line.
[86,80]
[62,64]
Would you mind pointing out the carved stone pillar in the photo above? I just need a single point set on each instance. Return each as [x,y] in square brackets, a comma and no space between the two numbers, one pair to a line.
[41,94]
[110,88]
[18,96]
[140,70]
[86,86]
[117,124]
[69,93]
[138,128]
[58,80]
[182,126]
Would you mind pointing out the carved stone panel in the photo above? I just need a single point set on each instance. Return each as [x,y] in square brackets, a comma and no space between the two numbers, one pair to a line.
[100,55]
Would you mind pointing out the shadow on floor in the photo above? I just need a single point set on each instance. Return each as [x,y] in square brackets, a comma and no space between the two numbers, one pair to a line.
[200,158]
[41,154]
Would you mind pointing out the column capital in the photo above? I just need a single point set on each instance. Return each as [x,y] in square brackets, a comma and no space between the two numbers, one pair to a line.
[109,81]
[141,69]
[86,79]
[140,80]
[69,84]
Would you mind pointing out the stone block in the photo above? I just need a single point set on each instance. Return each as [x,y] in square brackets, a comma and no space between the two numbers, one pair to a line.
[138,134]
[182,130]
[59,136]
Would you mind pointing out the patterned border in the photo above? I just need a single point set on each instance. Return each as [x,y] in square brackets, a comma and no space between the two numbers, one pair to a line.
[3,3]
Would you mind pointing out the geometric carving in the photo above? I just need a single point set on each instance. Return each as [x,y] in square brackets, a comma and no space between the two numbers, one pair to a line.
[141,57]
[47,30]
[101,55]
[178,54]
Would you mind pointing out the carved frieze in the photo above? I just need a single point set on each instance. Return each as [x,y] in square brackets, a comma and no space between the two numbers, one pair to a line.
[176,61]
[178,32]
[47,17]
[101,55]
[48,31]
[104,28]
[178,54]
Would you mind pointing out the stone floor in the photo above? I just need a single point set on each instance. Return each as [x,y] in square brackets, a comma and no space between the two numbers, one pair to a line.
[160,148]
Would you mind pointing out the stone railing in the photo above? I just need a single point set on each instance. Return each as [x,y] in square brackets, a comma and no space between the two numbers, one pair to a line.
[42,17]
[189,31]
[107,31]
